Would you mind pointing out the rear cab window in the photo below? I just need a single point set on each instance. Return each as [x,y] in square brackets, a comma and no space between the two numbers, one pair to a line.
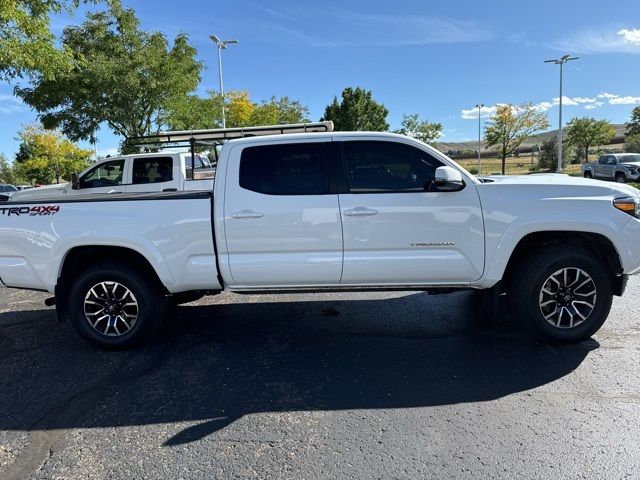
[291,169]
[152,170]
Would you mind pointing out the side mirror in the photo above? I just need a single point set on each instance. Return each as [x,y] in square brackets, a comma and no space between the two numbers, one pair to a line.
[75,181]
[448,179]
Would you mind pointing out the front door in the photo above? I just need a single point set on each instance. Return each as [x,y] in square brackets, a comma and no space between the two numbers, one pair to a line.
[282,225]
[397,229]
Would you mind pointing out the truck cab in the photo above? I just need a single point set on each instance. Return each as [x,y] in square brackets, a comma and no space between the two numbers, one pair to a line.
[148,172]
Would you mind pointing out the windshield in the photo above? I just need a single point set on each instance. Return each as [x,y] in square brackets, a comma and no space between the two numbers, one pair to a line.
[8,188]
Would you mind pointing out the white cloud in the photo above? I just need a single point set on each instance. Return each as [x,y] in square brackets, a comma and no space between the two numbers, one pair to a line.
[357,29]
[10,104]
[600,41]
[630,36]
[607,95]
[628,100]
[588,102]
[593,106]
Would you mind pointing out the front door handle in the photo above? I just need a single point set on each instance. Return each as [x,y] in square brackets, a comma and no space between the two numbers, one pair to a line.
[360,212]
[247,214]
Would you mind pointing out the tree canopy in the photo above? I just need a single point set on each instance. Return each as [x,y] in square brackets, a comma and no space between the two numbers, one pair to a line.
[423,130]
[46,156]
[633,125]
[27,45]
[120,75]
[586,131]
[357,111]
[206,112]
[510,126]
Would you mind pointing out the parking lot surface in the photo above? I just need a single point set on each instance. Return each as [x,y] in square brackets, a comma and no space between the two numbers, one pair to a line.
[375,385]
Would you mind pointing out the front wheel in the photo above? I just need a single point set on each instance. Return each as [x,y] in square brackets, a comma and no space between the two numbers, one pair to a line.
[561,294]
[114,307]
[587,174]
[621,178]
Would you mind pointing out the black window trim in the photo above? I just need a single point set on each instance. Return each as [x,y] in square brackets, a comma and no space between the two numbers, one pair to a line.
[345,168]
[326,151]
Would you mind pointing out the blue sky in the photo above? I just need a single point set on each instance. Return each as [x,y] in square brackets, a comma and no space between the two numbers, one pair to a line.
[437,59]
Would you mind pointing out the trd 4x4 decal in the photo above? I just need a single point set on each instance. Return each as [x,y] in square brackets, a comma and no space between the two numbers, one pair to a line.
[31,211]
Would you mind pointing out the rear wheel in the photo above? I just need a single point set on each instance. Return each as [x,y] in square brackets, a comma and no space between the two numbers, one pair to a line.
[115,307]
[587,174]
[561,294]
[621,178]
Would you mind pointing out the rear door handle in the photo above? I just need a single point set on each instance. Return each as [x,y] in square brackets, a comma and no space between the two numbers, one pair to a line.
[360,212]
[247,214]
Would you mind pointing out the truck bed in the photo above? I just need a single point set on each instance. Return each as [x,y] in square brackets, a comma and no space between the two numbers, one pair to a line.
[172,230]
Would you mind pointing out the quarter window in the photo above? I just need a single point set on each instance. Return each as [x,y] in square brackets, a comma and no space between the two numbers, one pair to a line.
[388,167]
[108,174]
[294,169]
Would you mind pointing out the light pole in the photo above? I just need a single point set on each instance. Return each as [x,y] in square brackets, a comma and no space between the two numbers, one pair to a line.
[479,107]
[222,45]
[560,61]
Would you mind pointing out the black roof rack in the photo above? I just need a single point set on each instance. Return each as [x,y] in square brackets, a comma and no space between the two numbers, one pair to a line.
[221,134]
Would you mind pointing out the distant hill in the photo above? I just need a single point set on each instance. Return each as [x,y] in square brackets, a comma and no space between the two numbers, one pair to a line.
[537,139]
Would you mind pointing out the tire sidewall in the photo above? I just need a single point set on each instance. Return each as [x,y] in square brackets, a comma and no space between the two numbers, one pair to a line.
[149,313]
[598,316]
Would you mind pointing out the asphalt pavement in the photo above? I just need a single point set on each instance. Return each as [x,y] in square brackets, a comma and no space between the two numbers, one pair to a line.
[357,386]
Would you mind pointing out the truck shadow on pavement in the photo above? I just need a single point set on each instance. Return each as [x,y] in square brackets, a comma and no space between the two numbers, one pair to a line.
[211,365]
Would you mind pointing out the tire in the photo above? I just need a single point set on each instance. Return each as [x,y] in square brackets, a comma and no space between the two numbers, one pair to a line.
[136,313]
[588,174]
[621,178]
[530,304]
[185,297]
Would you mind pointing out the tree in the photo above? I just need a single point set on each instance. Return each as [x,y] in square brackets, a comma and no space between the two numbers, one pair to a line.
[45,156]
[585,132]
[633,125]
[632,143]
[548,158]
[121,75]
[357,111]
[27,45]
[6,171]
[200,113]
[510,126]
[423,130]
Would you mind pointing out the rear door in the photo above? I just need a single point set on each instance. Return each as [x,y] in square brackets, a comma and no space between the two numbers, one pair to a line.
[282,223]
[397,229]
[153,174]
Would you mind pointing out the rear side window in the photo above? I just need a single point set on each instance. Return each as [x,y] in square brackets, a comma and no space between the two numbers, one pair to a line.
[152,170]
[388,167]
[294,169]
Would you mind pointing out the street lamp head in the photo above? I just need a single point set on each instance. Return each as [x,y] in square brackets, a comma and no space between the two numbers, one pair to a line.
[216,40]
[228,42]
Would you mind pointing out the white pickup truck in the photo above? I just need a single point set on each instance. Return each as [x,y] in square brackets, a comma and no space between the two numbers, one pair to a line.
[325,212]
[147,172]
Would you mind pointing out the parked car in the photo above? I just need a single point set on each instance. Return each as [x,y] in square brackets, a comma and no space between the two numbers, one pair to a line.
[346,211]
[621,167]
[149,172]
[6,191]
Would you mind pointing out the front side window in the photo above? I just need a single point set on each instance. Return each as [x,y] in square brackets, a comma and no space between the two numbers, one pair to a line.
[388,167]
[108,174]
[294,169]
[611,160]
[152,170]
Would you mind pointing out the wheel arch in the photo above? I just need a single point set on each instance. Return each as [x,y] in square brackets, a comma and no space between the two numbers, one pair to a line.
[598,245]
[78,259]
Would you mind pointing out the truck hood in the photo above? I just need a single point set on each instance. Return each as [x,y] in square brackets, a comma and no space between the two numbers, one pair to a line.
[48,191]
[561,185]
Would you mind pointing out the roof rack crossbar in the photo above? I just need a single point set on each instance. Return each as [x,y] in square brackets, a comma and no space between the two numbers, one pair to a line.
[187,136]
